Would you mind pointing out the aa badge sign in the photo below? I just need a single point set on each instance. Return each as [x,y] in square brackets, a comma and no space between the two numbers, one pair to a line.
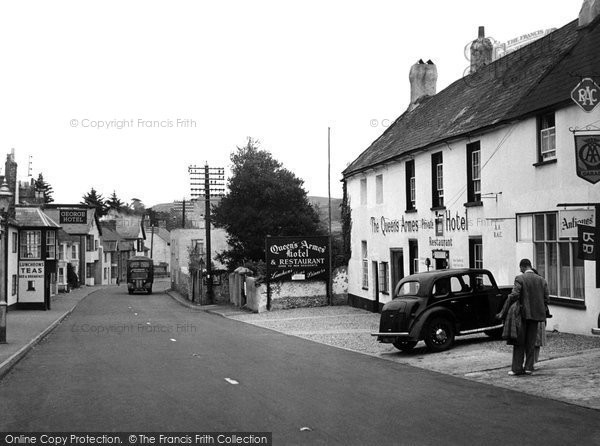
[587,155]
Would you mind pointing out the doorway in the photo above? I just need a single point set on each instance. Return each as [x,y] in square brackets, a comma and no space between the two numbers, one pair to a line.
[375,270]
[441,259]
[397,258]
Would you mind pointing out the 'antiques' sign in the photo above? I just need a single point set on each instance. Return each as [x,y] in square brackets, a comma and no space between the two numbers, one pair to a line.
[587,155]
[297,258]
[70,216]
[569,219]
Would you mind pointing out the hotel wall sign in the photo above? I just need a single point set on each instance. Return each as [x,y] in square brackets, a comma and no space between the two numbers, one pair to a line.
[586,94]
[72,216]
[587,155]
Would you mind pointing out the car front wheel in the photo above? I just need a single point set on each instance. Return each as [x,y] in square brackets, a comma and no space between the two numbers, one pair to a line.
[439,334]
[404,345]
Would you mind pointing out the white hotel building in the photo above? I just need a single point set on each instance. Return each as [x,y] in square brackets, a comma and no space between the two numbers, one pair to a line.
[484,173]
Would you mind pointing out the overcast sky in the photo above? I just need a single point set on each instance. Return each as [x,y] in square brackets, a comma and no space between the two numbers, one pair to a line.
[277,71]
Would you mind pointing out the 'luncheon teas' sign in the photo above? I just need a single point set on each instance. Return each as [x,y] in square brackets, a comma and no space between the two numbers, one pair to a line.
[297,258]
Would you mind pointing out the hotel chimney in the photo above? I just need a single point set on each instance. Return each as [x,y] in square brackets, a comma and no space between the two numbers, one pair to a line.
[589,11]
[423,80]
[481,51]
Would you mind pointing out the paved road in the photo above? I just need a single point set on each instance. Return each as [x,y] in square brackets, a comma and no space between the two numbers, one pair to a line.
[144,363]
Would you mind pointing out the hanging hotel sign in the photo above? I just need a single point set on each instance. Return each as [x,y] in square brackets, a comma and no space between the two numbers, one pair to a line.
[568,220]
[297,258]
[72,216]
[586,94]
[587,155]
[587,242]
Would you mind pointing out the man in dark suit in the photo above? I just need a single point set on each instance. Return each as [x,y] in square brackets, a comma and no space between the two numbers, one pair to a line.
[532,291]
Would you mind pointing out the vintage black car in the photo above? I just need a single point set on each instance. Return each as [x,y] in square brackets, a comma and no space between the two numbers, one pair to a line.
[436,306]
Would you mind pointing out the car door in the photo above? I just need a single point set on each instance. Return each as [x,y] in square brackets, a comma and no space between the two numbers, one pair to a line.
[487,299]
[458,298]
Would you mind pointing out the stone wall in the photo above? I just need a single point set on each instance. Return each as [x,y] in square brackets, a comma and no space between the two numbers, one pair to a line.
[286,295]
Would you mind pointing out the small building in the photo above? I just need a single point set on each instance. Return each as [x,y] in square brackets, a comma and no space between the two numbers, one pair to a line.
[81,221]
[69,250]
[132,237]
[35,281]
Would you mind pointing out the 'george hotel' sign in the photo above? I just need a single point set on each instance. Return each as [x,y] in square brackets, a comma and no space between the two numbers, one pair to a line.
[72,216]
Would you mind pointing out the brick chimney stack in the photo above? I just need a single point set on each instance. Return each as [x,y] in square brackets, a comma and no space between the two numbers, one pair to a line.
[589,11]
[481,51]
[423,82]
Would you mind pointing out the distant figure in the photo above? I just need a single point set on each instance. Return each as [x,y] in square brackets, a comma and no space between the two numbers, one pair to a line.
[531,290]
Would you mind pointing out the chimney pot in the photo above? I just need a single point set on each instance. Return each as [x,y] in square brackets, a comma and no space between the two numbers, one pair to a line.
[423,80]
[481,51]
[589,12]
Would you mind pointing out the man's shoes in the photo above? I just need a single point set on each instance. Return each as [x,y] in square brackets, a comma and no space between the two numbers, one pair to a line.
[511,373]
[529,372]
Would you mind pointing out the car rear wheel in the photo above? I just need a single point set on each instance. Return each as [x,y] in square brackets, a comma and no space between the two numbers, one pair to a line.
[404,345]
[439,334]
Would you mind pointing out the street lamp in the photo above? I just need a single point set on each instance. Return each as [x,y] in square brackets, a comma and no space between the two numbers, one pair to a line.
[5,197]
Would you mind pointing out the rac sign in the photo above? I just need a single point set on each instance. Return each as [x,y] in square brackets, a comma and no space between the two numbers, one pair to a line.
[586,94]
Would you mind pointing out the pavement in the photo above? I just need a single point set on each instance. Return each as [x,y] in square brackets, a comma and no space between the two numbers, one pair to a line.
[26,328]
[568,370]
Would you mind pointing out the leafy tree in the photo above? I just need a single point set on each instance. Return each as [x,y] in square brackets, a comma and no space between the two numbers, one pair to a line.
[40,185]
[264,199]
[114,202]
[93,198]
[137,206]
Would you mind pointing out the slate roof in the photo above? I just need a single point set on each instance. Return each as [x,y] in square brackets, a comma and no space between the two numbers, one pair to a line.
[33,217]
[64,237]
[535,77]
[158,232]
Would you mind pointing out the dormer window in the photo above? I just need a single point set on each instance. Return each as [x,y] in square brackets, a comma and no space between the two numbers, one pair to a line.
[547,138]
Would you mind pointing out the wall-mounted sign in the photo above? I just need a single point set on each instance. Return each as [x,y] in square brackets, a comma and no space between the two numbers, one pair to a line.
[72,216]
[297,258]
[31,281]
[568,220]
[586,94]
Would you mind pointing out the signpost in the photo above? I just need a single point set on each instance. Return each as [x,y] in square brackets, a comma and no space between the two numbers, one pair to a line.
[297,258]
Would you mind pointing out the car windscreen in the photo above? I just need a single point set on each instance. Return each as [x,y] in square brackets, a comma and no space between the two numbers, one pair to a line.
[410,288]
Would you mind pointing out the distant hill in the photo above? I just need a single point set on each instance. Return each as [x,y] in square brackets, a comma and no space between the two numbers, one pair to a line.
[320,204]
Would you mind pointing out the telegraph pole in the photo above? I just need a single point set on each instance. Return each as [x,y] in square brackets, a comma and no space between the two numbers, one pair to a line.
[209,182]
[209,289]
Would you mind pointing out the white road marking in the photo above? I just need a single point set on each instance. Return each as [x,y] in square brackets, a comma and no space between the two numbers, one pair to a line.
[174,340]
[305,429]
[231,381]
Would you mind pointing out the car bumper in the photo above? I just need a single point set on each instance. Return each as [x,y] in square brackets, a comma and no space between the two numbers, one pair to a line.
[390,337]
